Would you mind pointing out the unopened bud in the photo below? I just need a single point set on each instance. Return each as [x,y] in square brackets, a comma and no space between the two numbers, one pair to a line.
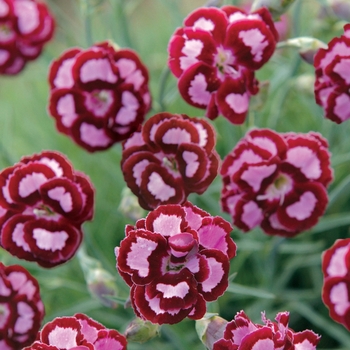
[306,46]
[129,205]
[276,7]
[341,9]
[210,329]
[140,331]
[101,284]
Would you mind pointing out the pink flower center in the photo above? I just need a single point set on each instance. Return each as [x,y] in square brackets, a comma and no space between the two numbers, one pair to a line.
[99,102]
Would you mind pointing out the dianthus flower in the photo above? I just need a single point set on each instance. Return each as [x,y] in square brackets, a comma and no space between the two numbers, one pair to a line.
[43,203]
[169,158]
[78,332]
[21,308]
[99,96]
[242,334]
[336,284]
[215,55]
[25,27]
[332,85]
[277,181]
[175,260]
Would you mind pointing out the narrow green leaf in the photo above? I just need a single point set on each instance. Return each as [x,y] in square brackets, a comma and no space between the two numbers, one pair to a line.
[330,222]
[249,291]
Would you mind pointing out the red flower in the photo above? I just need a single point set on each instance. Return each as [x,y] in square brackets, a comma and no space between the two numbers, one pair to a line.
[332,83]
[25,27]
[336,284]
[242,334]
[215,55]
[43,203]
[175,260]
[21,308]
[169,158]
[99,96]
[277,181]
[78,332]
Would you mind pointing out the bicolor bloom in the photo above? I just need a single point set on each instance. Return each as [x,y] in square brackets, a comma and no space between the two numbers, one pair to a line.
[21,308]
[242,334]
[78,332]
[43,203]
[99,96]
[277,181]
[175,260]
[215,54]
[169,158]
[332,85]
[336,283]
[25,27]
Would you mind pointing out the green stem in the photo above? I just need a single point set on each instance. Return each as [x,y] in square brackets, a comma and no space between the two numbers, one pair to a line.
[86,13]
[162,84]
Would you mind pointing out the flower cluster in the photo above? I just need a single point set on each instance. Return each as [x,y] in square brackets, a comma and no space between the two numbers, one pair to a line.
[242,334]
[21,308]
[175,260]
[215,56]
[99,96]
[332,85]
[43,203]
[277,181]
[336,285]
[25,27]
[77,332]
[169,158]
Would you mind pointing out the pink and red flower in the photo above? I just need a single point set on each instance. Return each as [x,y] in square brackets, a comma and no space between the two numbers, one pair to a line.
[78,332]
[25,27]
[215,54]
[169,158]
[277,181]
[175,260]
[336,284]
[332,85]
[43,203]
[21,308]
[242,334]
[99,96]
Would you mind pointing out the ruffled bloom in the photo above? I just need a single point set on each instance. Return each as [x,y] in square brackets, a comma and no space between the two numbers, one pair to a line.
[43,203]
[21,308]
[25,27]
[99,96]
[215,55]
[336,284]
[175,260]
[242,334]
[277,181]
[78,332]
[169,158]
[332,85]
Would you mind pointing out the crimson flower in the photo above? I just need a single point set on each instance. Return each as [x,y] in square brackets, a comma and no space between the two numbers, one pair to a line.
[336,284]
[332,85]
[215,54]
[169,158]
[277,181]
[175,260]
[25,27]
[99,96]
[21,308]
[78,332]
[43,203]
[242,334]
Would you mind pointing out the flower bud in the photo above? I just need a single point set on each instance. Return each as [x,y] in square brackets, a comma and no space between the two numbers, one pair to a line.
[210,329]
[141,331]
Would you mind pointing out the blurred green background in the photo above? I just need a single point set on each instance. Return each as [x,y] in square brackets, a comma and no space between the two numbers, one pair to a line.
[269,273]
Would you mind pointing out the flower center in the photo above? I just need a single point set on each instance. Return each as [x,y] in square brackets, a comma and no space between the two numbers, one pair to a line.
[224,62]
[170,163]
[99,102]
[43,210]
[282,184]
